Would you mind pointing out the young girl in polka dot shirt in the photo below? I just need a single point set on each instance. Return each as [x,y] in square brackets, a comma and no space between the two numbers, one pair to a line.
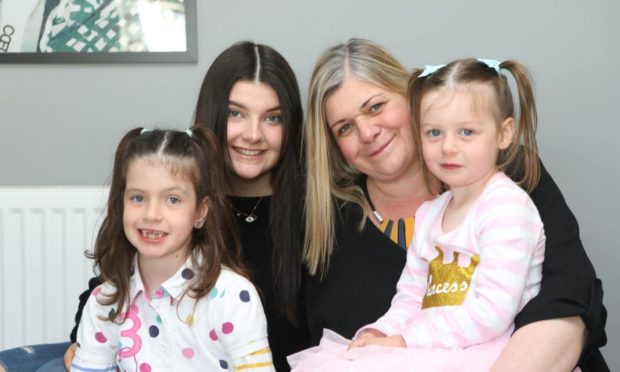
[174,297]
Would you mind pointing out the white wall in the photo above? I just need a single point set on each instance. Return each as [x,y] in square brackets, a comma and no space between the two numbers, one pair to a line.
[60,123]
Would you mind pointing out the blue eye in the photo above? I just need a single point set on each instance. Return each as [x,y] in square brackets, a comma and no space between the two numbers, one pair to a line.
[174,200]
[434,133]
[467,132]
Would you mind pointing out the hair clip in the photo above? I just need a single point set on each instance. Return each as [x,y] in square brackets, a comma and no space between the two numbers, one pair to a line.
[144,130]
[491,63]
[189,132]
[429,70]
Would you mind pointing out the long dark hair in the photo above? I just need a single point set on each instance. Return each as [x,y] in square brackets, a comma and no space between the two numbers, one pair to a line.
[247,61]
[198,156]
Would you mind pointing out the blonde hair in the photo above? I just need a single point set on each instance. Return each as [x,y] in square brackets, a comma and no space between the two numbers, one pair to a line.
[330,178]
[520,159]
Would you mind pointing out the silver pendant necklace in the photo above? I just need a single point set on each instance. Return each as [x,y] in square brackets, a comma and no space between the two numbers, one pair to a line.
[249,217]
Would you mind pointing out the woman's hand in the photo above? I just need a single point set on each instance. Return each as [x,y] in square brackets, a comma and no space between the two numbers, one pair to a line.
[69,354]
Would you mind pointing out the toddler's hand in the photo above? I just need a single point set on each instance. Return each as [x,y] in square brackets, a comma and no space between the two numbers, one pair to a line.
[391,341]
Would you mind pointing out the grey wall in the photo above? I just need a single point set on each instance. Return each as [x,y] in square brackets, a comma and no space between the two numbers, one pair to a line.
[60,123]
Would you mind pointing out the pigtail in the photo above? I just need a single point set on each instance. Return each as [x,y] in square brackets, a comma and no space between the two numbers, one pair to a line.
[113,254]
[521,158]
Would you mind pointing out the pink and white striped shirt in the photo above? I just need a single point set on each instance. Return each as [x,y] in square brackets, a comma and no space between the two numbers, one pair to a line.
[465,287]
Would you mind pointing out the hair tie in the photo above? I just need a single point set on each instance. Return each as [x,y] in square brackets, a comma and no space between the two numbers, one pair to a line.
[144,130]
[189,132]
[491,63]
[429,70]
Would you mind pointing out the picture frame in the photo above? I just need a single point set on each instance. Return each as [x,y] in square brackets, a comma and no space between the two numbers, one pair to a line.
[117,31]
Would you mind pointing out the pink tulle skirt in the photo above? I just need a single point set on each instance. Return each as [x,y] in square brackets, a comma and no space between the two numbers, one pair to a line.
[332,355]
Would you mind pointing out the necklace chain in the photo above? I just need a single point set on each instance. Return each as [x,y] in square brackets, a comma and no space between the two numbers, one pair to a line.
[249,217]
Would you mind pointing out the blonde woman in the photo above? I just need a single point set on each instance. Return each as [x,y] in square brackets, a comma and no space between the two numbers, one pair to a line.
[364,177]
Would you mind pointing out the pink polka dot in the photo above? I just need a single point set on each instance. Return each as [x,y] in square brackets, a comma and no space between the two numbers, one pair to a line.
[213,335]
[100,337]
[227,328]
[95,291]
[145,367]
[159,293]
[188,353]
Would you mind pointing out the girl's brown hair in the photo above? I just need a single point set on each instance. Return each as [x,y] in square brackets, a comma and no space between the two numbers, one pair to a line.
[520,159]
[200,158]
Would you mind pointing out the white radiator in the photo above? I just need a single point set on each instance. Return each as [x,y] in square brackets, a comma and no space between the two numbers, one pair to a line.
[43,235]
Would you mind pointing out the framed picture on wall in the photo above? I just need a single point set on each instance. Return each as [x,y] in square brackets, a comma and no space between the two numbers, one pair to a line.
[97,31]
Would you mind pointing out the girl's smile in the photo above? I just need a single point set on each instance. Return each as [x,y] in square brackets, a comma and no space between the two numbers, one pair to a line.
[152,236]
[254,134]
[250,153]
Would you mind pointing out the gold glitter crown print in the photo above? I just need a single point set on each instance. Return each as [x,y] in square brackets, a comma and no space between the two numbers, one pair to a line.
[448,283]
